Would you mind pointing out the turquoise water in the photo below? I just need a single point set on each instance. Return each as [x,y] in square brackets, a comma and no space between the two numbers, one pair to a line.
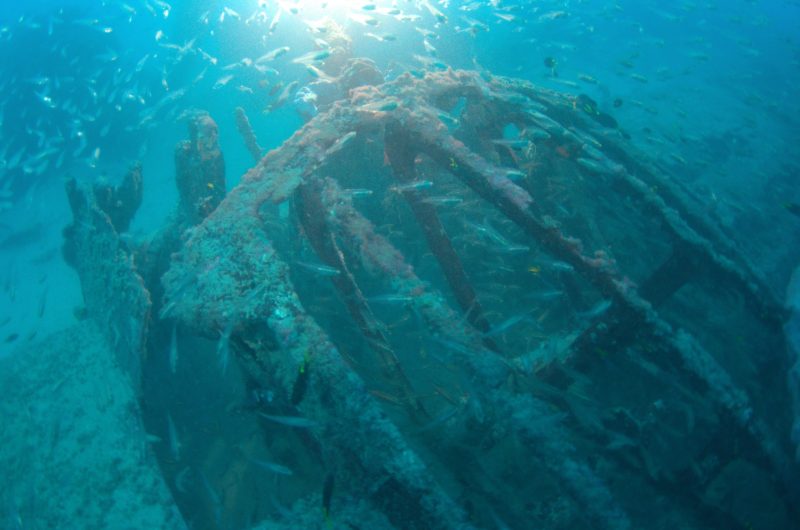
[704,92]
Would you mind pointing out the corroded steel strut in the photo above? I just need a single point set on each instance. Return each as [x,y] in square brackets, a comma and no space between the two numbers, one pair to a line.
[402,162]
[313,219]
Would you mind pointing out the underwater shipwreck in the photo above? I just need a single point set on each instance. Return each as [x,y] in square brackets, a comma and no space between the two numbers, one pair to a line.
[449,301]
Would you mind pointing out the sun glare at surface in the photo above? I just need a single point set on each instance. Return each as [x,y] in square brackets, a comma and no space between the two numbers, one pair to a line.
[332,7]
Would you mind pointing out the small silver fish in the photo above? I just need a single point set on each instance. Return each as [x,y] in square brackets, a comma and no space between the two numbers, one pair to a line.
[513,249]
[283,97]
[173,349]
[231,13]
[441,419]
[272,55]
[358,192]
[512,143]
[442,201]
[290,421]
[318,268]
[595,311]
[488,231]
[222,81]
[412,186]
[174,442]
[560,266]
[278,469]
[552,294]
[224,347]
[514,174]
[382,105]
[312,57]
[340,143]
[390,299]
[506,325]
[451,121]
[214,496]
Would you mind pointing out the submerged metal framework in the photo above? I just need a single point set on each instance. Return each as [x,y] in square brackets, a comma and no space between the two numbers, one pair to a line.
[654,384]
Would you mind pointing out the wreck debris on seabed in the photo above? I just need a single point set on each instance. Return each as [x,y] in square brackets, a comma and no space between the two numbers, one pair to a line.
[401,304]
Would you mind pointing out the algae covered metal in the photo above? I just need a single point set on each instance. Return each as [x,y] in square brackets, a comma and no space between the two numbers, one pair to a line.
[469,303]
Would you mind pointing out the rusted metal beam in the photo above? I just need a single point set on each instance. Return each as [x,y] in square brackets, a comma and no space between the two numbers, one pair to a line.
[246,131]
[113,291]
[401,158]
[200,169]
[312,216]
